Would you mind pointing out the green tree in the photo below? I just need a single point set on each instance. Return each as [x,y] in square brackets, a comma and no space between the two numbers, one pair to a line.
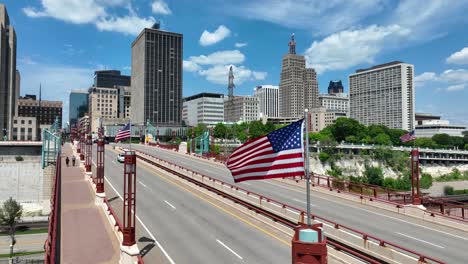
[324,157]
[425,181]
[425,143]
[457,142]
[374,175]
[442,139]
[200,128]
[395,135]
[466,146]
[256,129]
[383,139]
[375,130]
[220,130]
[10,213]
[351,139]
[448,190]
[344,127]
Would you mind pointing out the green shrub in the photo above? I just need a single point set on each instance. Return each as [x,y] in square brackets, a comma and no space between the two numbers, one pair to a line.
[19,158]
[323,156]
[389,183]
[426,181]
[374,175]
[448,190]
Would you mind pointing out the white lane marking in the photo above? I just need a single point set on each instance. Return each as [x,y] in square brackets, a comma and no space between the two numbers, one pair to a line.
[142,224]
[144,185]
[232,251]
[304,202]
[168,203]
[420,240]
[369,211]
[246,183]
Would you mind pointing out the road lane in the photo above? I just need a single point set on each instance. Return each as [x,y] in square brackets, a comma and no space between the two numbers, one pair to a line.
[377,222]
[189,233]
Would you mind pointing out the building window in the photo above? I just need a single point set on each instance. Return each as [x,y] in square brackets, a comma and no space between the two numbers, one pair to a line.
[30,122]
[22,122]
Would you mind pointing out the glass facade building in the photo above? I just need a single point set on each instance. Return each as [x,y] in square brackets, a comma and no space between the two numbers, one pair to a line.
[78,105]
[110,78]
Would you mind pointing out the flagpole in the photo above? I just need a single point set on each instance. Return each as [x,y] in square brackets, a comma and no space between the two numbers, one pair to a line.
[307,174]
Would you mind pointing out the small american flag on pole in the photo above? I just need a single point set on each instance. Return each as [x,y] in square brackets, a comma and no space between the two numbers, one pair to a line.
[124,133]
[408,137]
[278,154]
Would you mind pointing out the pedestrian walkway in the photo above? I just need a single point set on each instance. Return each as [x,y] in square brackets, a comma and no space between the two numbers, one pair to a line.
[86,234]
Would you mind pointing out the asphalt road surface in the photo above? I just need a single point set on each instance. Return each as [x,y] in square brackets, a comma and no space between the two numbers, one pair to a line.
[432,240]
[190,228]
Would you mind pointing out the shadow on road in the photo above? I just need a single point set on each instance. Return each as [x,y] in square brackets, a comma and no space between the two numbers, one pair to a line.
[147,247]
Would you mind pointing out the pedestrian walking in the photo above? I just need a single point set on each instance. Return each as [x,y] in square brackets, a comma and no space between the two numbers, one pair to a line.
[67,160]
[73,160]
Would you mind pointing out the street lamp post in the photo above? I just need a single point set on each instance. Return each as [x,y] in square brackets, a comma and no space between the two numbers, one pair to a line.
[100,166]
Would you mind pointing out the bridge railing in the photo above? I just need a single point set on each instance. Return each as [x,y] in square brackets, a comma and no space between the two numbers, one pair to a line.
[52,243]
[366,243]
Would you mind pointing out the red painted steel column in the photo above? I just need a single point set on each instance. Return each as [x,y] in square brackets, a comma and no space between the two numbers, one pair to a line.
[100,166]
[89,153]
[129,206]
[78,145]
[306,252]
[82,146]
[415,191]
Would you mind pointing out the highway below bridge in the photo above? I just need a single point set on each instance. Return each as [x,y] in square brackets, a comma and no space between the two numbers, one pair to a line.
[433,240]
[189,227]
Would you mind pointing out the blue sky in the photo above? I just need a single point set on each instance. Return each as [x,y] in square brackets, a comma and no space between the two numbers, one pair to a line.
[61,42]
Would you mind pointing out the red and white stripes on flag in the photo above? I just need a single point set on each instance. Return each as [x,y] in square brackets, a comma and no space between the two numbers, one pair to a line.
[124,133]
[278,154]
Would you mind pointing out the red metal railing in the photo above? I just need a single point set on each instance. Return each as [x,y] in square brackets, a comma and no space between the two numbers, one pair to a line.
[111,211]
[422,258]
[52,243]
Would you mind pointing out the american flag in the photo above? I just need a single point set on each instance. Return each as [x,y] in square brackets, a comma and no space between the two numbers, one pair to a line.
[124,133]
[278,154]
[408,137]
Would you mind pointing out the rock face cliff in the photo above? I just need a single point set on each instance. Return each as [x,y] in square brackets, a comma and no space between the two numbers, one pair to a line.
[356,166]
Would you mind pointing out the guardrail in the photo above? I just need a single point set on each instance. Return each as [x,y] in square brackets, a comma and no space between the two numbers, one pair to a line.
[345,238]
[112,213]
[52,243]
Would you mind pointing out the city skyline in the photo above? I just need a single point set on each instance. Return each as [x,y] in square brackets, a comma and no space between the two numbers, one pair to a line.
[216,39]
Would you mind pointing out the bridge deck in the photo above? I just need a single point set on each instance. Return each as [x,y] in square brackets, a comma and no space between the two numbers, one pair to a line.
[86,235]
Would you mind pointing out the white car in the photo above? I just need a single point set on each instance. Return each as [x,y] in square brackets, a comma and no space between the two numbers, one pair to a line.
[121,157]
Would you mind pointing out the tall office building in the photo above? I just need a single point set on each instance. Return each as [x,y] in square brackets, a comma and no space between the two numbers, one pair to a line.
[78,106]
[8,94]
[157,77]
[384,95]
[298,87]
[338,102]
[268,100]
[110,78]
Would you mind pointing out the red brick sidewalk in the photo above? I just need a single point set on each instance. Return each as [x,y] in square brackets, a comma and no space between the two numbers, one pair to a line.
[86,234]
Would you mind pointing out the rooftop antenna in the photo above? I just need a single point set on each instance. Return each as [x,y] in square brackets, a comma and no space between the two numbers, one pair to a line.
[231,84]
[292,45]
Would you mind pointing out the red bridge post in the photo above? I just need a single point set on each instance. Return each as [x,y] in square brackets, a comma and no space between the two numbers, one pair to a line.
[100,194]
[82,146]
[129,249]
[415,191]
[314,252]
[89,143]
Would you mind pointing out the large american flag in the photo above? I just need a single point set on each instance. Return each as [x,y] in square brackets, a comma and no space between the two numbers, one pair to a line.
[124,133]
[408,137]
[278,154]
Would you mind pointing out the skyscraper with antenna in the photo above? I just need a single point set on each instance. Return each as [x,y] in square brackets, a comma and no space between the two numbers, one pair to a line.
[231,84]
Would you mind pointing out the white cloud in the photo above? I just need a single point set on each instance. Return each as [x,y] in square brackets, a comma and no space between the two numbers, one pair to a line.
[349,48]
[460,75]
[240,44]
[73,11]
[322,17]
[160,7]
[219,57]
[457,87]
[217,67]
[191,66]
[92,12]
[459,57]
[207,38]
[27,60]
[219,74]
[129,25]
[426,76]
